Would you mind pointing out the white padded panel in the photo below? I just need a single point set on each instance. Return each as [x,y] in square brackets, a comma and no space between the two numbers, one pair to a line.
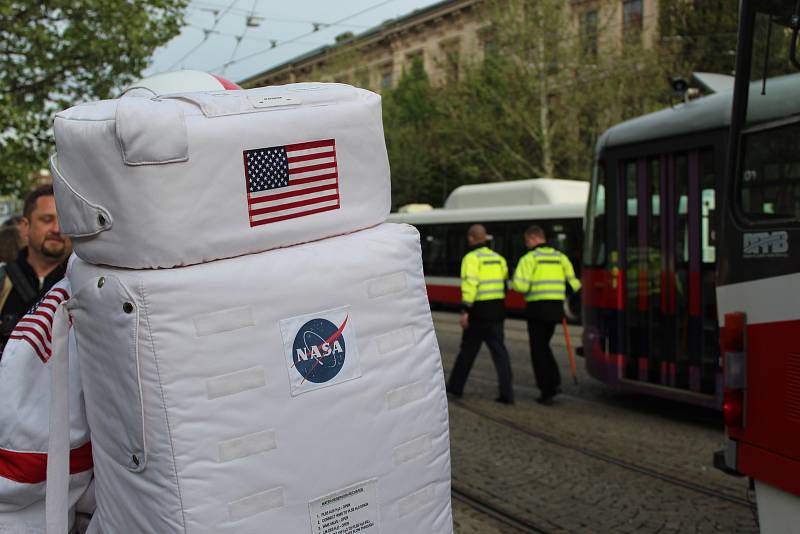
[245,457]
[143,193]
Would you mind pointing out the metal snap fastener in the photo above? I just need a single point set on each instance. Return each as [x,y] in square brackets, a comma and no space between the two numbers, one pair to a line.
[127,307]
[101,220]
[135,460]
[101,281]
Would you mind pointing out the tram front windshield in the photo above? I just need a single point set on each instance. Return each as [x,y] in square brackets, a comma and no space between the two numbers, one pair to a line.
[769,177]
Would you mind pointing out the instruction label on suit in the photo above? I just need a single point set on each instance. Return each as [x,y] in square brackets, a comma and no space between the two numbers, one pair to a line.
[346,511]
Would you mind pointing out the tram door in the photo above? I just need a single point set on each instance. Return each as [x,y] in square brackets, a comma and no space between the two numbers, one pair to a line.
[670,313]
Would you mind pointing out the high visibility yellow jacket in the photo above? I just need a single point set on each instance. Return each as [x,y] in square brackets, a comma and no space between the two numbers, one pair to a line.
[483,276]
[543,274]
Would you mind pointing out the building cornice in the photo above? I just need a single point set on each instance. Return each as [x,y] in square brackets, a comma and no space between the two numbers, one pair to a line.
[390,30]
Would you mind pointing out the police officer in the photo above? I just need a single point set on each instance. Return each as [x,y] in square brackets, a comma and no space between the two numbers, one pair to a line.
[483,289]
[542,276]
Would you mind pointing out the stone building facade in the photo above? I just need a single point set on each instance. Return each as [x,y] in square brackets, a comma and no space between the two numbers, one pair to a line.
[445,36]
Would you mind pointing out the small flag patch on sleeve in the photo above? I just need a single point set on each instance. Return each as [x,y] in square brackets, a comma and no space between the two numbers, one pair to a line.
[36,326]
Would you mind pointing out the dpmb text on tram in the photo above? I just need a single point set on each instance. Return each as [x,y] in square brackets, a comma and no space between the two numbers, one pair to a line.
[759,264]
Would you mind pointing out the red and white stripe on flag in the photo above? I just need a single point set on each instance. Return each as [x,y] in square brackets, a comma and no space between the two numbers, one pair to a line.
[36,326]
[290,181]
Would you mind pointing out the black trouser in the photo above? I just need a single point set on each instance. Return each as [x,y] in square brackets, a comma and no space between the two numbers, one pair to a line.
[477,333]
[541,325]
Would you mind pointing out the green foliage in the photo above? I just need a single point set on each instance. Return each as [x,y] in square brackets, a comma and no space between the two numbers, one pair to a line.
[534,104]
[412,120]
[57,53]
[532,108]
[701,34]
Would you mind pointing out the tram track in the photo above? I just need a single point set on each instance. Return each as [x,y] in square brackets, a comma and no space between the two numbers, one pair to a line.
[606,458]
[704,420]
[497,513]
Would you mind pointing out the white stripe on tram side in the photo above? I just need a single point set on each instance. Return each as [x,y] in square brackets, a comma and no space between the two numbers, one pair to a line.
[769,300]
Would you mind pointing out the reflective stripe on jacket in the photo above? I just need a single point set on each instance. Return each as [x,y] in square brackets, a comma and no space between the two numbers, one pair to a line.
[543,274]
[483,276]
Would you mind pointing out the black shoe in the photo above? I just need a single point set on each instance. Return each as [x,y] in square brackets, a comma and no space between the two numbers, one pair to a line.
[451,393]
[545,401]
[503,400]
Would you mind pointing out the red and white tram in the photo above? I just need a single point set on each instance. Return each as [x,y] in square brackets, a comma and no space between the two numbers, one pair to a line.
[759,264]
[506,209]
[649,310]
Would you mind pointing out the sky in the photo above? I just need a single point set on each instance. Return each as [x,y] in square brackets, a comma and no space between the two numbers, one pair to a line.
[216,37]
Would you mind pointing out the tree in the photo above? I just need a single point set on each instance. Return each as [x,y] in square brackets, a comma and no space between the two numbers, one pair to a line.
[57,53]
[536,106]
[701,35]
[411,122]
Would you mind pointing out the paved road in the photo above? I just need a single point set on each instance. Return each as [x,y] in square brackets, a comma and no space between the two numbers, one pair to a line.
[597,461]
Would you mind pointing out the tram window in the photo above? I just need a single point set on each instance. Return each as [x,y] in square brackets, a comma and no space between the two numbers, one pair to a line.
[708,206]
[682,228]
[654,237]
[596,234]
[769,183]
[632,224]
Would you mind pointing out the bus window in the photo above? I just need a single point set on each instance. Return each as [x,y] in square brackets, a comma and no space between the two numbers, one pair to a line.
[433,241]
[516,242]
[769,184]
[498,232]
[595,235]
[457,247]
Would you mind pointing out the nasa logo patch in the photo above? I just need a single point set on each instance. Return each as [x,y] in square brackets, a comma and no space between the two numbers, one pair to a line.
[320,349]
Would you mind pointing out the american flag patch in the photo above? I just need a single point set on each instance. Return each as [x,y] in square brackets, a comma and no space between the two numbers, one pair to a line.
[36,326]
[285,182]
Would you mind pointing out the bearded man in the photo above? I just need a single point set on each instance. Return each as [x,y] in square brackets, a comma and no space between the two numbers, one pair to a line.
[39,265]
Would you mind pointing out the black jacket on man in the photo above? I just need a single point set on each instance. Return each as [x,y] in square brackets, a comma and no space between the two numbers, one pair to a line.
[15,304]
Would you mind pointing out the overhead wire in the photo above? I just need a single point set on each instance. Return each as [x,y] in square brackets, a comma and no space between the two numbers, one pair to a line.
[250,36]
[265,16]
[217,19]
[239,38]
[306,34]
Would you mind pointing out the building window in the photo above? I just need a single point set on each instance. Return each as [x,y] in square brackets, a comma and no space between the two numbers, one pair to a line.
[412,57]
[362,78]
[632,19]
[488,41]
[589,34]
[450,60]
[386,76]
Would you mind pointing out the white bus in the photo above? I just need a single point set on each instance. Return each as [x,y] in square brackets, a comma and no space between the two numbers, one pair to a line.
[506,209]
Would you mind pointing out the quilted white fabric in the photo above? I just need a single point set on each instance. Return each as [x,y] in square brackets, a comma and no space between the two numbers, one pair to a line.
[187,178]
[294,391]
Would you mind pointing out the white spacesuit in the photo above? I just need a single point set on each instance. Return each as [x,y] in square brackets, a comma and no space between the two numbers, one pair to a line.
[256,346]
